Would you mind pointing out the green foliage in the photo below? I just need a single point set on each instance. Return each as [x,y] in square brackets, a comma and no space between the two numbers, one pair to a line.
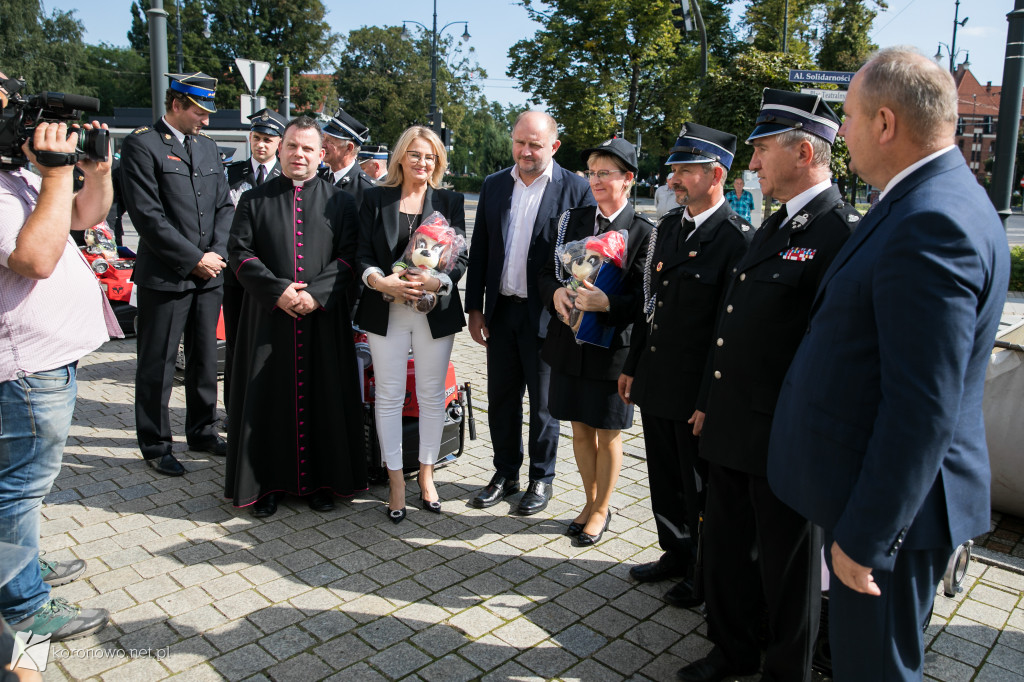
[483,140]
[1017,268]
[45,51]
[731,96]
[383,80]
[846,43]
[119,76]
[466,183]
[765,24]
[603,66]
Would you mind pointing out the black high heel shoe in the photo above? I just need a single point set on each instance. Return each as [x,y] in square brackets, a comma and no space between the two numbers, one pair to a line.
[426,504]
[396,515]
[574,529]
[587,540]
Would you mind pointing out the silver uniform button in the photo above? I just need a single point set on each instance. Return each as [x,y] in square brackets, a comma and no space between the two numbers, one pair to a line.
[664,282]
[743,276]
[653,349]
[718,375]
[720,342]
[728,308]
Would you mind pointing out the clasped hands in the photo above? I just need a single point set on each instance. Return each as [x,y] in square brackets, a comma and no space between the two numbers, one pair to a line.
[587,298]
[407,285]
[295,301]
[209,266]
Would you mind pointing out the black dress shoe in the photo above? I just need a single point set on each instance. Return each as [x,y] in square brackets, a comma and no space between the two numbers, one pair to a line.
[429,506]
[712,668]
[656,571]
[321,500]
[681,595]
[535,499]
[498,489]
[585,539]
[266,505]
[218,447]
[167,465]
[396,515]
[574,529]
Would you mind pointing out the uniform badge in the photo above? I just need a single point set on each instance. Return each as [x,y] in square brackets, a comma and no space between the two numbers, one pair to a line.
[692,254]
[173,158]
[800,219]
[745,228]
[852,218]
[140,130]
[798,253]
[659,266]
[166,136]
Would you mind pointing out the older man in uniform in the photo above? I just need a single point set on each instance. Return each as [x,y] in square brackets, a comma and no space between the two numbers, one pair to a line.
[692,250]
[373,159]
[757,550]
[343,137]
[178,200]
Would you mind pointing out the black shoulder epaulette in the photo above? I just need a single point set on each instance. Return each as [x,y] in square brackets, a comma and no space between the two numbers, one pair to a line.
[737,221]
[643,217]
[848,213]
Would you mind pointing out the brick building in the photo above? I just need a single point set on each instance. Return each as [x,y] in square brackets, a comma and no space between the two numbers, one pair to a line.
[978,110]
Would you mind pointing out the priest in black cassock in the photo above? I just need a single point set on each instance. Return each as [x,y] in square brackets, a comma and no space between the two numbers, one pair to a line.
[294,419]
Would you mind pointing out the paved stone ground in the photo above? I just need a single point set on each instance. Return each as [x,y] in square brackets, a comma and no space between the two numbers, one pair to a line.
[200,590]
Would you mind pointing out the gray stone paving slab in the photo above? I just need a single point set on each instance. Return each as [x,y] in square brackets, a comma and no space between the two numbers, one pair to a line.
[345,595]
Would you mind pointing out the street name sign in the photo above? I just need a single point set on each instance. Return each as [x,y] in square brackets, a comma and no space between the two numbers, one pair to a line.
[804,76]
[827,95]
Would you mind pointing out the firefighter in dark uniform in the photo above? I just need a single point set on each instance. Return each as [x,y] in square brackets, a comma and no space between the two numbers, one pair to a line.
[343,136]
[693,249]
[373,159]
[757,552]
[265,130]
[177,196]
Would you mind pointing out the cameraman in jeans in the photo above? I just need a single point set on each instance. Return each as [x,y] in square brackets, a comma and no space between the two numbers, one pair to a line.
[52,313]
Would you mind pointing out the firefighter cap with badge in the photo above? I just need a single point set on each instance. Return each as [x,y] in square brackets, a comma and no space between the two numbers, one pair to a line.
[344,127]
[268,122]
[198,87]
[783,110]
[701,144]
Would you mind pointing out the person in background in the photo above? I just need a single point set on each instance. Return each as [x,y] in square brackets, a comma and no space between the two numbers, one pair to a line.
[665,199]
[373,159]
[741,200]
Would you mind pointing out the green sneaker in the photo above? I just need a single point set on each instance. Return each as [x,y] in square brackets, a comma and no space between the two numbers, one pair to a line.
[57,573]
[62,620]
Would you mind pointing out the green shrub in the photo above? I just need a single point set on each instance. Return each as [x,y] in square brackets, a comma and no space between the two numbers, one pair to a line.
[1017,268]
[469,183]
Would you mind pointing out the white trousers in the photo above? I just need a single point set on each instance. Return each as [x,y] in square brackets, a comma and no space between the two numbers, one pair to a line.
[409,329]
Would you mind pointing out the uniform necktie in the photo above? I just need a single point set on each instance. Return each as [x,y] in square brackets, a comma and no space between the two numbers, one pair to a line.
[261,175]
[188,146]
[602,224]
[686,227]
[774,222]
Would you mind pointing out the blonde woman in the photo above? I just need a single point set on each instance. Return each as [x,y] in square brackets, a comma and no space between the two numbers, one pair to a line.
[389,215]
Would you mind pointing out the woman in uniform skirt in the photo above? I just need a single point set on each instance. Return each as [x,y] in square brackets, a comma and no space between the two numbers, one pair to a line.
[389,214]
[584,377]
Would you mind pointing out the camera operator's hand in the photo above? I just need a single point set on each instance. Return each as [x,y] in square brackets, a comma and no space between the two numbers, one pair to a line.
[93,201]
[51,137]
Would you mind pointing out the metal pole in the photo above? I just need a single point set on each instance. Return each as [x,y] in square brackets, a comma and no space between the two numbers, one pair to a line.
[952,47]
[252,79]
[785,28]
[434,123]
[157,56]
[703,38]
[286,101]
[181,57]
[1009,111]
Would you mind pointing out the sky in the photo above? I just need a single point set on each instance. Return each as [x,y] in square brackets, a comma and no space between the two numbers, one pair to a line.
[495,25]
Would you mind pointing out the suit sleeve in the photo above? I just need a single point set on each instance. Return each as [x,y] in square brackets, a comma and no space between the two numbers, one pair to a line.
[258,281]
[369,216]
[337,275]
[223,219]
[457,219]
[925,288]
[476,274]
[139,182]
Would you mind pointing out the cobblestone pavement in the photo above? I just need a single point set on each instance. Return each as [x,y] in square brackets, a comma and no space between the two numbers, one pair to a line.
[200,590]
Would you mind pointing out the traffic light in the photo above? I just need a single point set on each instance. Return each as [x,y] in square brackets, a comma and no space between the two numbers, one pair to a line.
[685,21]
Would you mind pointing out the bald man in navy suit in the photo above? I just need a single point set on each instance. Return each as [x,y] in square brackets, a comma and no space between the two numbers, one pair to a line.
[878,435]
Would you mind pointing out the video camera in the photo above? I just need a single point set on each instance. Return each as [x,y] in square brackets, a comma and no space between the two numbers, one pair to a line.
[19,118]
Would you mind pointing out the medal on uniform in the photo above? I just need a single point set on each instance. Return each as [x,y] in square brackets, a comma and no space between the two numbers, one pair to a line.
[692,254]
[659,266]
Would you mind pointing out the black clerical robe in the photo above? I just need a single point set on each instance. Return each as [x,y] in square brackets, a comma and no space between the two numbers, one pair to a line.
[294,418]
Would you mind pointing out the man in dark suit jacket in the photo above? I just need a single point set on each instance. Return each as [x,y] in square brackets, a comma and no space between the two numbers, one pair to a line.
[511,239]
[878,437]
[343,137]
[177,197]
[757,551]
[692,251]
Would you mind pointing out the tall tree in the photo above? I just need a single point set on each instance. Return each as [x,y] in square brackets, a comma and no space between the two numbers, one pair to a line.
[282,32]
[483,140]
[768,21]
[846,25]
[603,66]
[119,76]
[383,79]
[44,50]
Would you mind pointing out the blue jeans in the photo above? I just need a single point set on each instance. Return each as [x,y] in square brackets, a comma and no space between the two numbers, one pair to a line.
[35,416]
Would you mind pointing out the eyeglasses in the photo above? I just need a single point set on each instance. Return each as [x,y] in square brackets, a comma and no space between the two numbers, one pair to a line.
[417,157]
[601,175]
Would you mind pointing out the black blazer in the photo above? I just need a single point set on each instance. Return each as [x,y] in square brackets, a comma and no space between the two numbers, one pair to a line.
[179,205]
[241,171]
[487,253]
[668,355]
[379,232]
[560,349]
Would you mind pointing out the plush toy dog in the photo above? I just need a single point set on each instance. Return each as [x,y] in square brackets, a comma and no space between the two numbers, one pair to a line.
[584,258]
[434,248]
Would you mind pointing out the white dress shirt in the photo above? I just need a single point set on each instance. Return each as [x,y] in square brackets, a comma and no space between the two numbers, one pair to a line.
[794,205]
[522,215]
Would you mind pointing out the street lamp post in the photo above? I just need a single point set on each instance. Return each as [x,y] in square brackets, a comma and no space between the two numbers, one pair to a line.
[435,119]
